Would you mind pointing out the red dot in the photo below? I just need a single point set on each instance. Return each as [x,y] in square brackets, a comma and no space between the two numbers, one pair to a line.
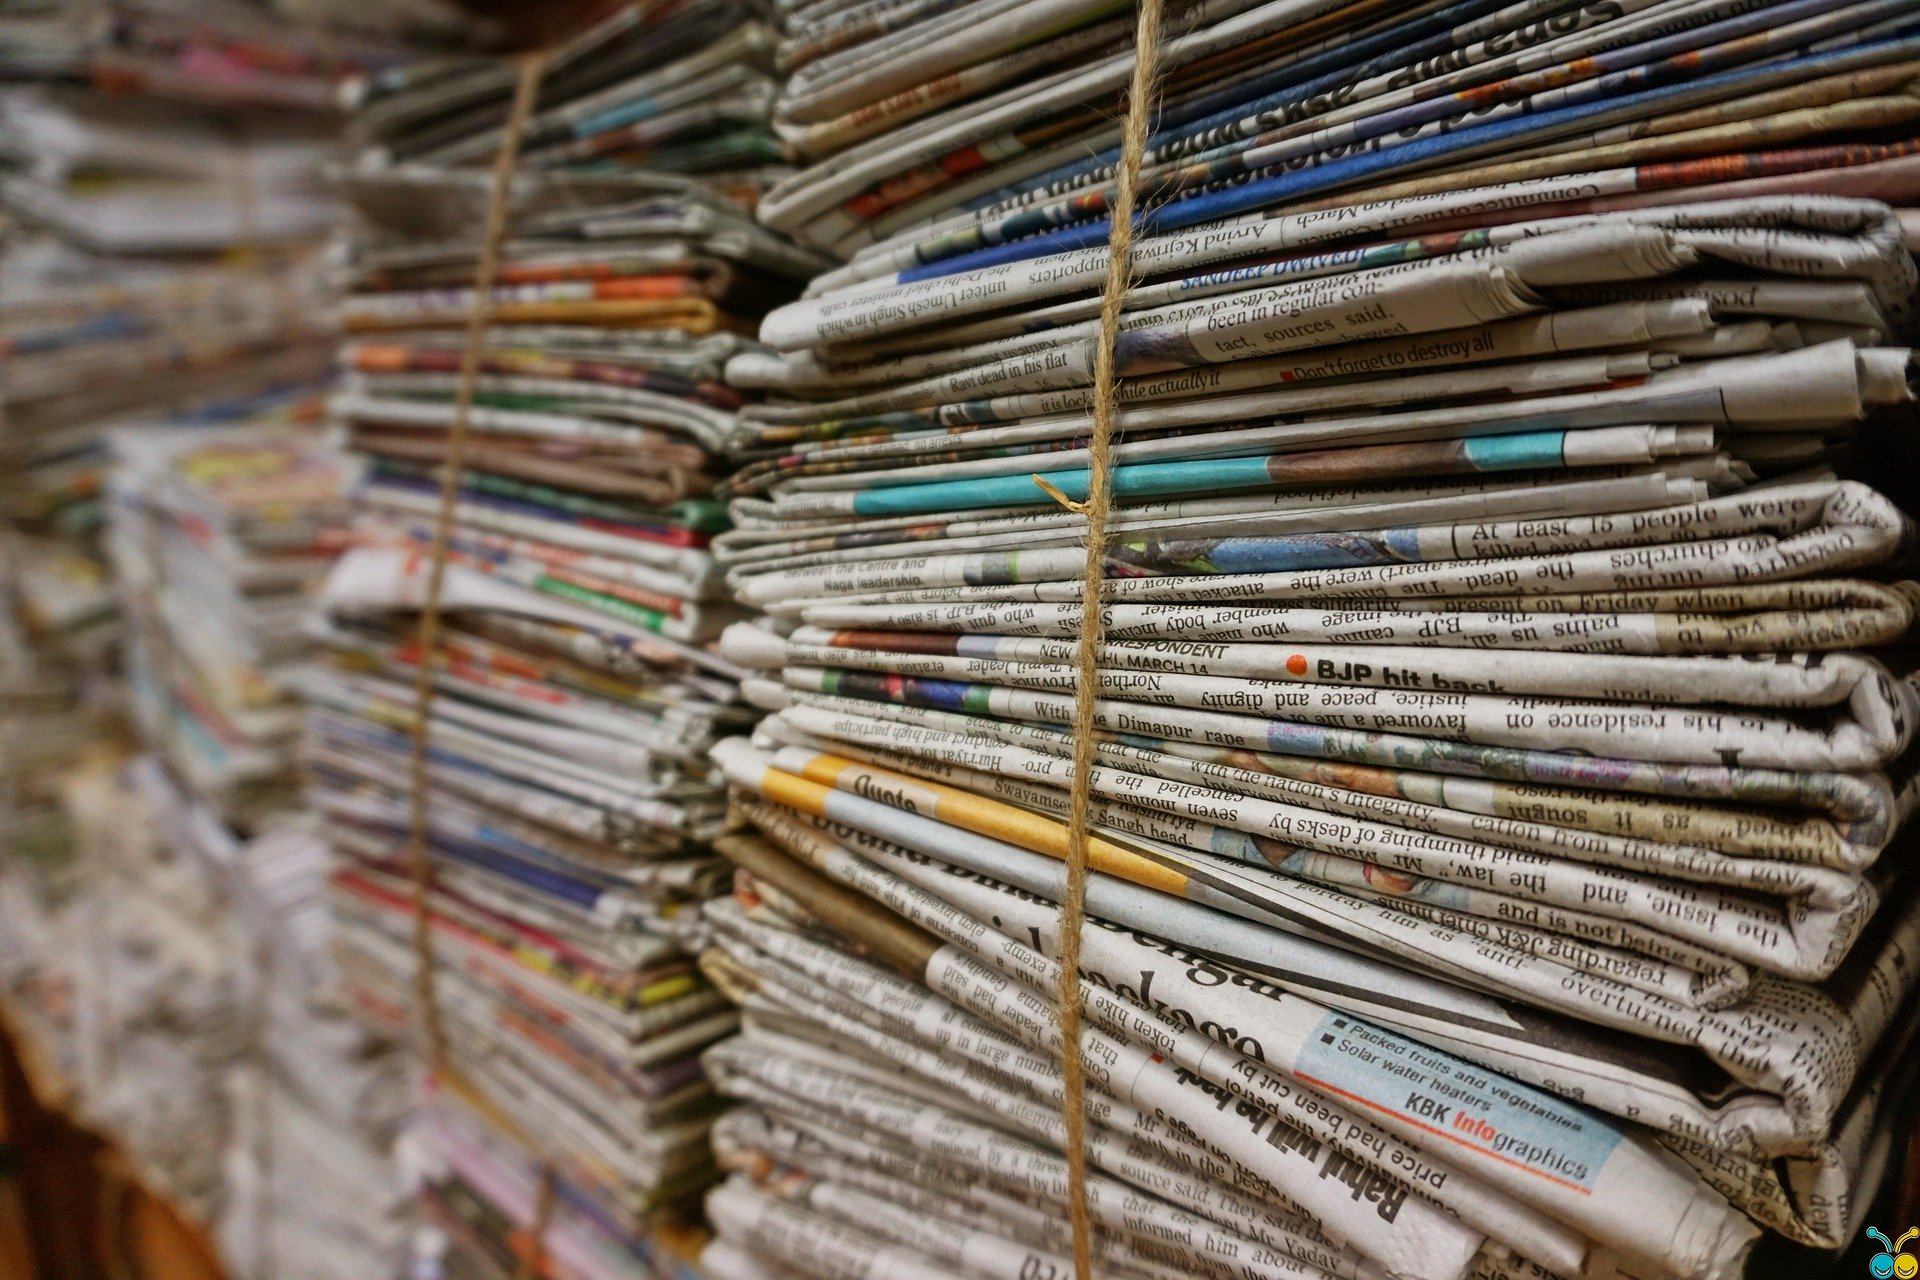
[1297,664]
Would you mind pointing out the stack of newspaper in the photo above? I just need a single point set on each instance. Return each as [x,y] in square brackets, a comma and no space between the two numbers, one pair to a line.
[313,1190]
[987,131]
[570,800]
[131,175]
[216,52]
[307,1100]
[678,88]
[114,301]
[162,175]
[89,344]
[179,978]
[126,980]
[219,538]
[158,264]
[1503,743]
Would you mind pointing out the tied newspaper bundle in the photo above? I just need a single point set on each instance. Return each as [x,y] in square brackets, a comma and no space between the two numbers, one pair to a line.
[1425,666]
[1500,694]
[220,538]
[684,87]
[576,692]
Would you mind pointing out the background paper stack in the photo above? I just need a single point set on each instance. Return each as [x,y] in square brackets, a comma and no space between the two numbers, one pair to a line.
[122,976]
[219,539]
[288,55]
[180,980]
[162,278]
[314,1190]
[576,687]
[122,298]
[161,173]
[1503,675]
[188,344]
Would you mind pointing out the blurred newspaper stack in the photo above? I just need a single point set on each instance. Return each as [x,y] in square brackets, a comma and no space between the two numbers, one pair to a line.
[219,539]
[314,1192]
[180,979]
[286,54]
[577,692]
[161,176]
[120,298]
[122,976]
[1504,722]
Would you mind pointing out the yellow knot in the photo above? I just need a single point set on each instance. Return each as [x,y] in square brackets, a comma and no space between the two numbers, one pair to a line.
[1052,491]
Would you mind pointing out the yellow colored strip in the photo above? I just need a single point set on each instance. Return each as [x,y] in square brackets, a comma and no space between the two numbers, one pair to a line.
[994,818]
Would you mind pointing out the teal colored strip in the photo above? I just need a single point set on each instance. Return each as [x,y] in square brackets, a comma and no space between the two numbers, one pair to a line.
[614,117]
[1146,480]
[1517,453]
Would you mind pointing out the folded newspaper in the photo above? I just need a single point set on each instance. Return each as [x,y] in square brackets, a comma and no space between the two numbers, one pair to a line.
[1504,721]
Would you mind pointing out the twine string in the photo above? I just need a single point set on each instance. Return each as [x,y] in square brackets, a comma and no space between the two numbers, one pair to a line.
[427,639]
[265,1261]
[533,1258]
[1106,399]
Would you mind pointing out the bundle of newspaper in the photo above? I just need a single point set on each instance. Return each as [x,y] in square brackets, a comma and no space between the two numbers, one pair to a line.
[178,980]
[162,167]
[576,692]
[313,1189]
[1483,682]
[43,914]
[131,175]
[56,621]
[87,346]
[117,304]
[1279,1075]
[219,539]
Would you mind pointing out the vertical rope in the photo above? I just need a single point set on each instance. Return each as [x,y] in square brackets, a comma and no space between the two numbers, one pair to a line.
[246,249]
[265,1261]
[533,1258]
[532,67]
[1106,398]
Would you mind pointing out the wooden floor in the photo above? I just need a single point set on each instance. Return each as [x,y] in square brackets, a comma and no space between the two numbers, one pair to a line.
[69,1207]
